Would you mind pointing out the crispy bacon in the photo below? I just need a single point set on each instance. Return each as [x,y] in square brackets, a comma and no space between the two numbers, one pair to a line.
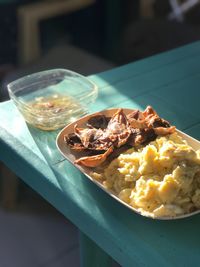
[94,161]
[99,121]
[103,136]
[88,136]
[118,128]
[155,121]
[149,111]
[135,114]
[74,142]
[164,131]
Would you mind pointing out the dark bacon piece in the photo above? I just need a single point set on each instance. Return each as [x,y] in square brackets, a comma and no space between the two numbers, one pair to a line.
[98,121]
[74,142]
[135,114]
[105,136]
[147,135]
[141,136]
[164,131]
[118,122]
[92,138]
[94,161]
[156,121]
[140,124]
[149,111]
[118,128]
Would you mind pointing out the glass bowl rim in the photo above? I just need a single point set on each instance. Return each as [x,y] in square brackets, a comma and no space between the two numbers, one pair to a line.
[93,92]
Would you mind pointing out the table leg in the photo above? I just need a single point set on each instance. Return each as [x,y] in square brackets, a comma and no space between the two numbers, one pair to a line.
[91,254]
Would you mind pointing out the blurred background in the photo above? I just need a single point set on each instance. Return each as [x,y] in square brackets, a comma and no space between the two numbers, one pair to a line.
[87,36]
[101,34]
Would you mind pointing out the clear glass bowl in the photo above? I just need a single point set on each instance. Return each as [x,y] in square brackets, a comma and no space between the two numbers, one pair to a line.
[51,99]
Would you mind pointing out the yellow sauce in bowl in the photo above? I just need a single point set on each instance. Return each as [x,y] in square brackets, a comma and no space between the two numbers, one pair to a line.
[53,112]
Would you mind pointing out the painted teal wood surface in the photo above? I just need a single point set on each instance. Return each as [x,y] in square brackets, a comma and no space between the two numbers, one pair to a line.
[169,82]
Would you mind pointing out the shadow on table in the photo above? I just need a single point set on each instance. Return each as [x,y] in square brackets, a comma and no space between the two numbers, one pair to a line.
[46,142]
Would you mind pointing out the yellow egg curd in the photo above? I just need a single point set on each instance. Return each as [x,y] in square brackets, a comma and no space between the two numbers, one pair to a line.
[160,179]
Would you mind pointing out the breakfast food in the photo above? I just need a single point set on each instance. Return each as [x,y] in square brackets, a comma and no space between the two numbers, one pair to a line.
[141,159]
[160,179]
[103,135]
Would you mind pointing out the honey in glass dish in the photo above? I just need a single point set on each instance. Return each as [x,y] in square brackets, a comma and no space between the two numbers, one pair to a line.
[51,99]
[54,111]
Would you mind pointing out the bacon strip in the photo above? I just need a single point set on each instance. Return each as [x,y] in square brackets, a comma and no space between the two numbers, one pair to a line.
[94,161]
[106,135]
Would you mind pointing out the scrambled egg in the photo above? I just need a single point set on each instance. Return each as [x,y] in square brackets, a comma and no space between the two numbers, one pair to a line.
[160,179]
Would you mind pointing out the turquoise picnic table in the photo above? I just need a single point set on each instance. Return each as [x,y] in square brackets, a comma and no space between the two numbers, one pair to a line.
[170,82]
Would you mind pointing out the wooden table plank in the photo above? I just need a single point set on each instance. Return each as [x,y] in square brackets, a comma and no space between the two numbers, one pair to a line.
[183,93]
[154,79]
[153,63]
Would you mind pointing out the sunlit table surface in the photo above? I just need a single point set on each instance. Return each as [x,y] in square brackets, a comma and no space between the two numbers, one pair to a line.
[170,82]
